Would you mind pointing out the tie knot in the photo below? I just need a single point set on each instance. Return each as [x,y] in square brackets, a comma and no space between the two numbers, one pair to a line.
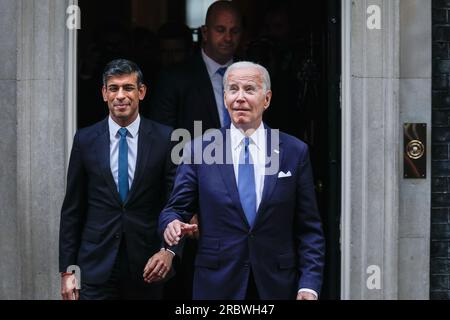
[222,71]
[123,132]
[246,141]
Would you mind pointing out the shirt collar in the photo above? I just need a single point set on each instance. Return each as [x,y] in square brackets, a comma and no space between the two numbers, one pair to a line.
[213,66]
[258,137]
[133,128]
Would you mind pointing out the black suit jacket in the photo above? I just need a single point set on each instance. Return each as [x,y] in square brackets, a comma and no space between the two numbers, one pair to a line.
[184,94]
[93,217]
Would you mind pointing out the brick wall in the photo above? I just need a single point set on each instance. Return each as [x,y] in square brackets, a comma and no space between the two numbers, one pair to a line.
[440,189]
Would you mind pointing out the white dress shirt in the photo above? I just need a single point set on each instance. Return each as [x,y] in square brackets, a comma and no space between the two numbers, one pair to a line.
[132,141]
[216,81]
[257,149]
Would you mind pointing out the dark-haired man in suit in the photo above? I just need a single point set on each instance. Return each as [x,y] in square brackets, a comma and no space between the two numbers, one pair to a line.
[119,177]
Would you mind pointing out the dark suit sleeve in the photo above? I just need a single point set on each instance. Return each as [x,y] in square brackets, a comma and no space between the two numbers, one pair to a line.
[169,176]
[309,234]
[164,103]
[183,201]
[73,210]
[169,172]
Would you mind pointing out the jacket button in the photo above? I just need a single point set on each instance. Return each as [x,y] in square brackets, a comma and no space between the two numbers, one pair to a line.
[117,236]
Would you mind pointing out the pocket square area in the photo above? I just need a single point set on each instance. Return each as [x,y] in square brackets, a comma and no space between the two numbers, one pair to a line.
[281,174]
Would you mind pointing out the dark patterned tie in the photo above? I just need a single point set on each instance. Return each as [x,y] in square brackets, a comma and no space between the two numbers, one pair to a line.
[123,164]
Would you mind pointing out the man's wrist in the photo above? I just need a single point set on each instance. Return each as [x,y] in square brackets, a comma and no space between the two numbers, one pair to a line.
[168,250]
[309,291]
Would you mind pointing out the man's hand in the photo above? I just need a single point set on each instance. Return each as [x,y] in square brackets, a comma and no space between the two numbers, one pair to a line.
[69,289]
[193,234]
[304,295]
[176,229]
[158,266]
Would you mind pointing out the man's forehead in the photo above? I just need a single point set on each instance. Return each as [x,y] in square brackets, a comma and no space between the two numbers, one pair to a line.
[248,75]
[225,16]
[130,78]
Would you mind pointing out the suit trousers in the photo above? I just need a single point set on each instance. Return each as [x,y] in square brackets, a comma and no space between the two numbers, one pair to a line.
[121,285]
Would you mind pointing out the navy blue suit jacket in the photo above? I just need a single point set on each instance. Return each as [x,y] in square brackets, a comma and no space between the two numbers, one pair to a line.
[93,217]
[285,247]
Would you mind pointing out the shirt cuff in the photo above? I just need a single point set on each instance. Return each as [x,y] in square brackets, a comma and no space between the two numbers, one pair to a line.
[166,249]
[310,291]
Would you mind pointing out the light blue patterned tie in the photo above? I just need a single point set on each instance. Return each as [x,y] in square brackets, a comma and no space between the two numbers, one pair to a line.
[123,164]
[225,114]
[246,183]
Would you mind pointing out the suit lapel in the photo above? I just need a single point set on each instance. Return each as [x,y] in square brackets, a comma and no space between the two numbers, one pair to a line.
[228,176]
[144,144]
[270,181]
[102,144]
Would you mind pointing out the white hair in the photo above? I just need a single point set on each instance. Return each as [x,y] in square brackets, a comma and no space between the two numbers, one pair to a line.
[247,64]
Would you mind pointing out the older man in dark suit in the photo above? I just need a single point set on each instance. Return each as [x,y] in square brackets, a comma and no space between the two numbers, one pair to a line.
[260,230]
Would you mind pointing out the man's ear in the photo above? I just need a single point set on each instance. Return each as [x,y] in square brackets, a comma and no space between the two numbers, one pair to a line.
[204,29]
[142,91]
[267,99]
[104,94]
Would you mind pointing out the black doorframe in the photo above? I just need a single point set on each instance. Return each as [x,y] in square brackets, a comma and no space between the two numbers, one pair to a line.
[332,277]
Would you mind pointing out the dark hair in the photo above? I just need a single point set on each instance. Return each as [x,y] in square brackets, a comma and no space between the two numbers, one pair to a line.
[219,6]
[120,67]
